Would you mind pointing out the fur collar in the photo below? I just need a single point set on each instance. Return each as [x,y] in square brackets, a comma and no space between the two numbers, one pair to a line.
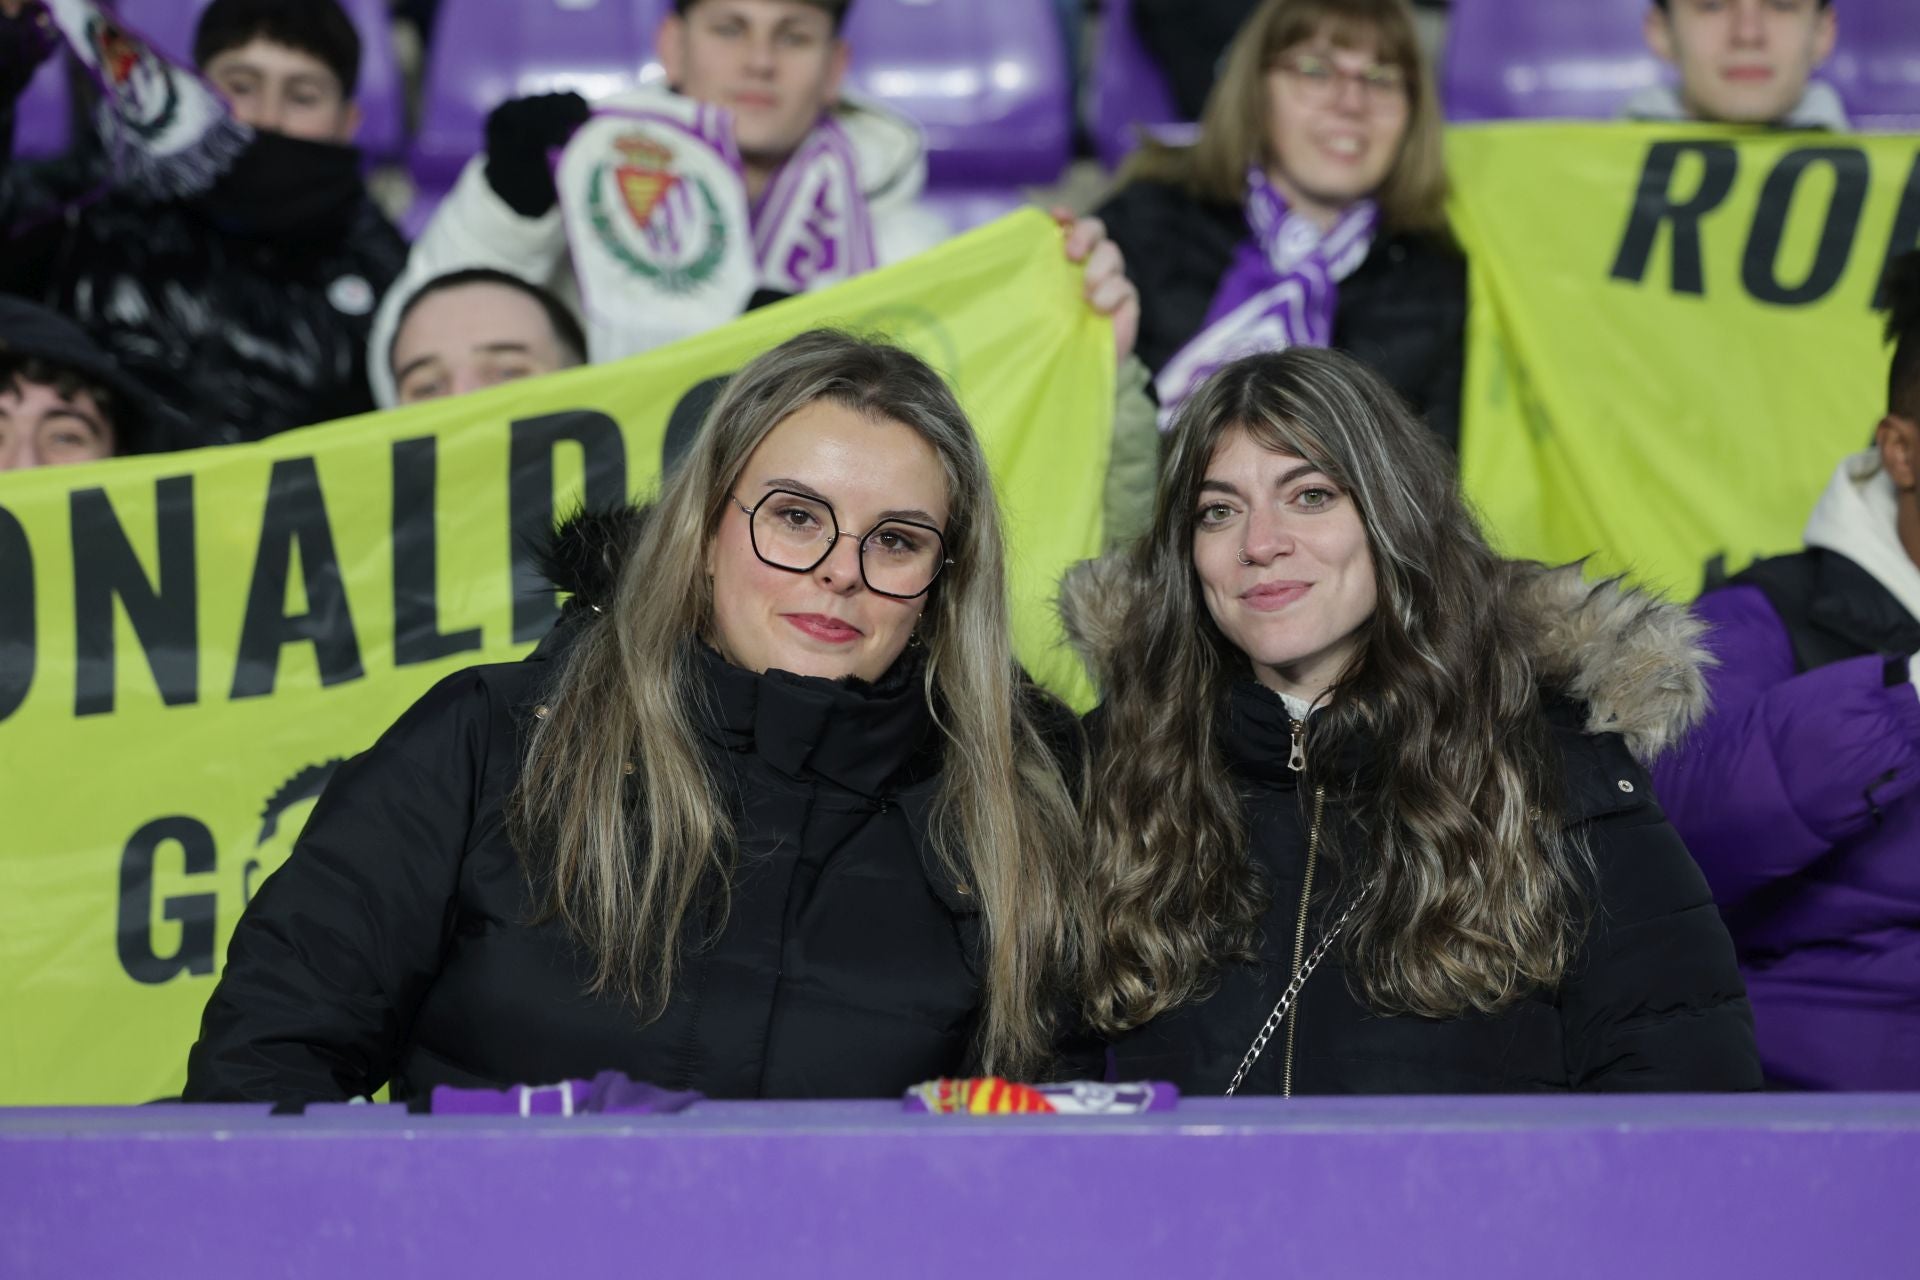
[1635,661]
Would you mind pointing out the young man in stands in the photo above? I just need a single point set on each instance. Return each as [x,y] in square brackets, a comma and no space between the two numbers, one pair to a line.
[683,220]
[1743,62]
[248,307]
[62,400]
[1799,794]
[472,329]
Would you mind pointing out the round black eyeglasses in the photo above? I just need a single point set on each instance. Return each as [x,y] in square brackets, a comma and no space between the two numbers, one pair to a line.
[796,532]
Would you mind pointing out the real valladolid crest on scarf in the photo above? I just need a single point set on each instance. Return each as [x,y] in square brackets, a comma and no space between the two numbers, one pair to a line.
[166,131]
[654,197]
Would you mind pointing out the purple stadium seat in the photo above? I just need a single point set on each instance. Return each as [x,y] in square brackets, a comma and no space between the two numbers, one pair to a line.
[487,51]
[987,79]
[1130,92]
[1876,67]
[170,25]
[43,117]
[1545,59]
[1582,59]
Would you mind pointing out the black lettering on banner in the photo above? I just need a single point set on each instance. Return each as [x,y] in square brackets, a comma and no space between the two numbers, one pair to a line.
[1760,268]
[194,912]
[417,636]
[17,633]
[1906,231]
[296,517]
[1656,206]
[530,497]
[105,569]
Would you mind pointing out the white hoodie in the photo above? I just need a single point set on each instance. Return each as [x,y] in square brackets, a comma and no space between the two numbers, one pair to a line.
[1858,517]
[474,227]
[1819,107]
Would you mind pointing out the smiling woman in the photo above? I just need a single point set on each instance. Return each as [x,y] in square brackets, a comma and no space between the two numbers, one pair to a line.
[769,814]
[1310,212]
[1339,733]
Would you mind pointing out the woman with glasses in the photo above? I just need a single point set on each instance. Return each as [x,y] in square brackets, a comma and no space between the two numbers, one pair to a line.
[1368,811]
[769,815]
[1309,211]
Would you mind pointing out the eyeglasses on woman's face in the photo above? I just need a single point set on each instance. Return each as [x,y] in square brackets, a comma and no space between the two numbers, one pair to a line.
[797,532]
[1317,78]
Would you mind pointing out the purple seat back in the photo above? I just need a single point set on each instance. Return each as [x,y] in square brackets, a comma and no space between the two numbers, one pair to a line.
[1130,92]
[43,116]
[987,79]
[486,52]
[170,25]
[1582,59]
[1876,65]
[1545,59]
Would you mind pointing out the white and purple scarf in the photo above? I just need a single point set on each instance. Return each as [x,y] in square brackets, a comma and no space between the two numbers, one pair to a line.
[663,240]
[1281,290]
[167,133]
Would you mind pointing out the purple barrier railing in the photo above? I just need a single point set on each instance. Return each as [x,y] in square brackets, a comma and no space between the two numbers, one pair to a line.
[1750,1187]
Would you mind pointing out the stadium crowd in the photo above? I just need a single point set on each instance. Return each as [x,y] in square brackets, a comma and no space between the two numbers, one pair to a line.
[1542,834]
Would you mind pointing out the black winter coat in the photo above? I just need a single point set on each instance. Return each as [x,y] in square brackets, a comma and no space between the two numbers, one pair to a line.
[1653,1001]
[1403,312]
[245,333]
[397,942]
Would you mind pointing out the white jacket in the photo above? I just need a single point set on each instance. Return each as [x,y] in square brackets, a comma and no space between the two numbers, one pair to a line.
[474,227]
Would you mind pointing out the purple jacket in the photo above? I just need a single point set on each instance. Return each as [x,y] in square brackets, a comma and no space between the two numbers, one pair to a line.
[1797,795]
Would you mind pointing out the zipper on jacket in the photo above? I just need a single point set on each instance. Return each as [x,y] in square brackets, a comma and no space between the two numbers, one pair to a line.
[1300,930]
[1297,757]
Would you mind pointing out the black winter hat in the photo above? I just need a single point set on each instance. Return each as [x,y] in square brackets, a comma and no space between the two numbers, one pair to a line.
[28,329]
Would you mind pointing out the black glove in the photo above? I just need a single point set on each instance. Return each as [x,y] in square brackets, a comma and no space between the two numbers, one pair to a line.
[520,132]
[27,39]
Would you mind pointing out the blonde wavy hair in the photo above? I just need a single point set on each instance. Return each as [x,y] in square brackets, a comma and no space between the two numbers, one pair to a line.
[1233,126]
[621,860]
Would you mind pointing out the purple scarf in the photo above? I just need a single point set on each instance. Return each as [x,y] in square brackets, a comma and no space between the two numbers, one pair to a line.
[167,132]
[609,1093]
[1280,292]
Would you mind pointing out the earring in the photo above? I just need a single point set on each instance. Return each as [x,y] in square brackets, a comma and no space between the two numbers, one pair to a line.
[1243,557]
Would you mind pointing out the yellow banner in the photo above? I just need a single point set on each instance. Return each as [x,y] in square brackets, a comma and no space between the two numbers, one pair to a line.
[189,643]
[1672,339]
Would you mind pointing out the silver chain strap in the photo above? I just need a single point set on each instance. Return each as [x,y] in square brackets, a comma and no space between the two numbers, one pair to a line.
[1288,996]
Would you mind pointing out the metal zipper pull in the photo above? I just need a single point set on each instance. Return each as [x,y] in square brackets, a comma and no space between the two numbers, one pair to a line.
[1297,758]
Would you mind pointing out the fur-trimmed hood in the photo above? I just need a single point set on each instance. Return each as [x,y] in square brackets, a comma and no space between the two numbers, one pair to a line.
[584,556]
[1635,661]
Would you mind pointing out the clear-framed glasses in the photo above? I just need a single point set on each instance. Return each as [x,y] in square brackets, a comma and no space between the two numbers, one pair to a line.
[1319,79]
[796,532]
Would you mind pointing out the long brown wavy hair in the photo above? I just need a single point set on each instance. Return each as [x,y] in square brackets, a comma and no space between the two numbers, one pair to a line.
[1233,126]
[621,860]
[1470,891]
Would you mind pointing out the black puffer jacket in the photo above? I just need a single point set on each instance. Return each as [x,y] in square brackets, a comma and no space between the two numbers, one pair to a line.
[1404,312]
[395,945]
[1653,1002]
[246,331]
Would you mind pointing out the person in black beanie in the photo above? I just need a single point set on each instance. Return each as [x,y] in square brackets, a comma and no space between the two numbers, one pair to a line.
[248,307]
[63,400]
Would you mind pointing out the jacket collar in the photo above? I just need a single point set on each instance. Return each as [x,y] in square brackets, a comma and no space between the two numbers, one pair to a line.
[858,736]
[1819,107]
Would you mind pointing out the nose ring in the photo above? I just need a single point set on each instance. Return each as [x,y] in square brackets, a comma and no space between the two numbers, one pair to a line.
[1243,557]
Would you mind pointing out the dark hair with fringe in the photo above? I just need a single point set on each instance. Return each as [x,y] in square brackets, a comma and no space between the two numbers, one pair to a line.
[317,27]
[836,9]
[1470,891]
[1902,294]
[68,383]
